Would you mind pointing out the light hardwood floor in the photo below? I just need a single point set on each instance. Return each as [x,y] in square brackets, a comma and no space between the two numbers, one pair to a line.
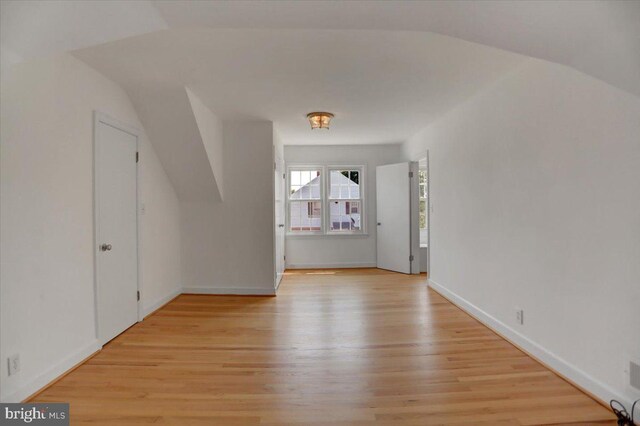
[355,347]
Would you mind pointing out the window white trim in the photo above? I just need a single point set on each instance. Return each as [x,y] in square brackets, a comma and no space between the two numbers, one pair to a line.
[325,170]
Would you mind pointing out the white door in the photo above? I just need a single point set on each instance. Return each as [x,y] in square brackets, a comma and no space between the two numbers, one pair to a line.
[394,196]
[279,191]
[116,228]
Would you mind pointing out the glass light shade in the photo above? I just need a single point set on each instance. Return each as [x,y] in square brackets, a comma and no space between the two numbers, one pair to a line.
[319,120]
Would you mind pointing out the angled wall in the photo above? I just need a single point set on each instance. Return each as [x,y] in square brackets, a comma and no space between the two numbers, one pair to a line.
[210,129]
[228,247]
[535,192]
[47,301]
[187,138]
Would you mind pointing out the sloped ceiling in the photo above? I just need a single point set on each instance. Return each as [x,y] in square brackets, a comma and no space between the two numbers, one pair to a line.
[600,38]
[172,127]
[382,86]
[386,69]
[30,29]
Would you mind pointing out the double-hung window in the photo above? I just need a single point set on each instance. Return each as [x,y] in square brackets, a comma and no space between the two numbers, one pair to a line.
[325,200]
[345,200]
[305,199]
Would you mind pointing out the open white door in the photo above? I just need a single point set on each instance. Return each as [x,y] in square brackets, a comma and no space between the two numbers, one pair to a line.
[279,190]
[396,220]
[116,227]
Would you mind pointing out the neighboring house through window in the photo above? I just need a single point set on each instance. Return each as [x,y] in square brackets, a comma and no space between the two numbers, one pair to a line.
[424,217]
[344,200]
[335,190]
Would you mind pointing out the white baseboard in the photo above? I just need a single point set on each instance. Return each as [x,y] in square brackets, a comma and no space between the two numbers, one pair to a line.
[160,302]
[278,281]
[543,355]
[39,382]
[331,265]
[238,291]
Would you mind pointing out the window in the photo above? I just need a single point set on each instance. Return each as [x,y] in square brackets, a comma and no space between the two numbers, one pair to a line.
[424,225]
[344,200]
[315,190]
[305,200]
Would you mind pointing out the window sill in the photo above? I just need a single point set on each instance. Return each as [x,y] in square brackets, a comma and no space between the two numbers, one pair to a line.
[327,235]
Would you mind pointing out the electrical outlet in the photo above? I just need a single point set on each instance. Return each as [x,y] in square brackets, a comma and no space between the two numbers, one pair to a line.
[14,364]
[519,316]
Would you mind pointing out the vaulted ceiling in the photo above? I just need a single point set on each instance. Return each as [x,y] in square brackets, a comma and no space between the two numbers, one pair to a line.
[600,38]
[386,69]
[383,86]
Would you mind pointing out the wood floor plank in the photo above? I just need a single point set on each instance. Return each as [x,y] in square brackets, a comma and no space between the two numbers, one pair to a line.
[357,347]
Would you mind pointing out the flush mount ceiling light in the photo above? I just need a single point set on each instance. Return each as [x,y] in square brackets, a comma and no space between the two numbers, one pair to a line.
[319,120]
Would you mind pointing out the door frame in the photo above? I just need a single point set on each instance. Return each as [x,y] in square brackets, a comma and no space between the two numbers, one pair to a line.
[100,117]
[414,217]
[277,161]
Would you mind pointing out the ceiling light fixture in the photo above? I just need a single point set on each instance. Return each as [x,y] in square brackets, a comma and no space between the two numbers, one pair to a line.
[319,120]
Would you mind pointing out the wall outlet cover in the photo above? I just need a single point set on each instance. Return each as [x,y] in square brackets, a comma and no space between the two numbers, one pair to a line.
[14,364]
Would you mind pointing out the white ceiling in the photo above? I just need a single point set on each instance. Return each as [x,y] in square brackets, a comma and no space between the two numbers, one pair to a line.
[600,38]
[29,29]
[376,64]
[382,86]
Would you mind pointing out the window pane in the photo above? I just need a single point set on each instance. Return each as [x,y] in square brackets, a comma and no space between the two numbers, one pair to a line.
[345,216]
[295,178]
[305,185]
[335,191]
[305,215]
[423,214]
[354,190]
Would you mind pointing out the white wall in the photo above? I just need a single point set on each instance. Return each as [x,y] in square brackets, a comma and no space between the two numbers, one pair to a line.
[535,185]
[210,128]
[228,247]
[334,251]
[46,274]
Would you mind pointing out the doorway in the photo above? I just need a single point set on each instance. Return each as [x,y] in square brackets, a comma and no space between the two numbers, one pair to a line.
[116,226]
[397,220]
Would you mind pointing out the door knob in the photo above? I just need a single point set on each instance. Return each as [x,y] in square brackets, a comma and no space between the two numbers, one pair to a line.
[379,224]
[105,247]
[281,225]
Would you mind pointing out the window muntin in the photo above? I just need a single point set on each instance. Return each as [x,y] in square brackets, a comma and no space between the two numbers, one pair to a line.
[325,200]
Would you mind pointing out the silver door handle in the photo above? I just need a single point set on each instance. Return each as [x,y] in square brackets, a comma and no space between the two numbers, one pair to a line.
[105,247]
[281,225]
